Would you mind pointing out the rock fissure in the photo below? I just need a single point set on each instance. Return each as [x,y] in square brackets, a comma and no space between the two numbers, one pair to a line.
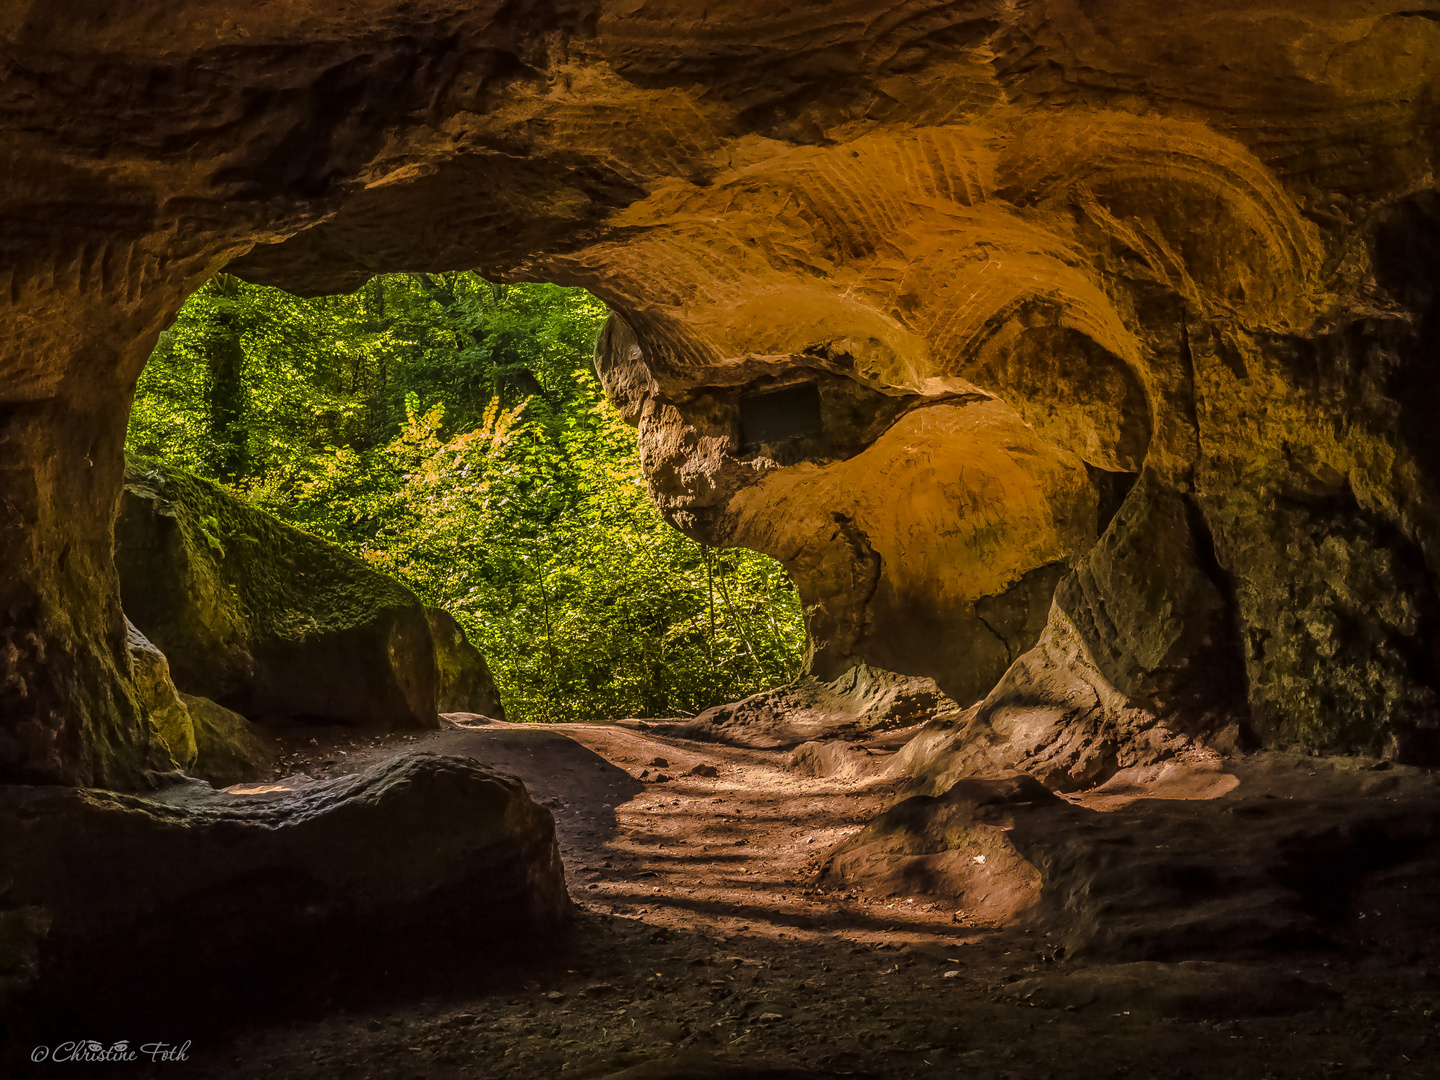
[1009,657]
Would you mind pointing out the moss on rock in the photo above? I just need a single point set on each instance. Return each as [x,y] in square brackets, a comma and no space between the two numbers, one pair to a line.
[230,749]
[463,679]
[150,672]
[262,618]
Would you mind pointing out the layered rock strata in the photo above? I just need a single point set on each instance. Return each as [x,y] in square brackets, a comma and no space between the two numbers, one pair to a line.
[906,294]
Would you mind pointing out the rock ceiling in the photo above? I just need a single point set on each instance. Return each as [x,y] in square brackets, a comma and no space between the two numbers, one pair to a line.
[1055,268]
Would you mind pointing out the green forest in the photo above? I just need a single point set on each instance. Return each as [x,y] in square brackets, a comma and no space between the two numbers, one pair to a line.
[452,433]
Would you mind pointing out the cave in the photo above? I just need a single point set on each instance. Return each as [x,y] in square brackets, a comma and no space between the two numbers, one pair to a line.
[1076,360]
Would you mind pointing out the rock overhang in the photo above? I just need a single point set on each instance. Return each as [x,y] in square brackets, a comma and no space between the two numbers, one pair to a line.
[1148,243]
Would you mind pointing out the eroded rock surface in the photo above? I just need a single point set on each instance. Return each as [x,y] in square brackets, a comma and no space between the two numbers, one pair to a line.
[208,899]
[265,619]
[156,692]
[861,702]
[996,260]
[1056,716]
[955,845]
[1294,854]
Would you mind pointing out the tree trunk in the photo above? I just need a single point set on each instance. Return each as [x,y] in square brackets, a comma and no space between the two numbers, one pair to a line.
[225,402]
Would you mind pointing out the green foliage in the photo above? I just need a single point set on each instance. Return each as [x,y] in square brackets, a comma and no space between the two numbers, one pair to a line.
[451,432]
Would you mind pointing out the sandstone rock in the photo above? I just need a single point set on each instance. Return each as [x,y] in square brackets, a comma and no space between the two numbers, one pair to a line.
[157,693]
[263,618]
[1269,865]
[1153,606]
[835,757]
[463,680]
[955,845]
[1054,715]
[993,255]
[1274,862]
[860,702]
[192,899]
[872,539]
[1189,990]
[229,748]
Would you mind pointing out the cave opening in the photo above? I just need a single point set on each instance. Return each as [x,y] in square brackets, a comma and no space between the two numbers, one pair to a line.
[451,434]
[1075,363]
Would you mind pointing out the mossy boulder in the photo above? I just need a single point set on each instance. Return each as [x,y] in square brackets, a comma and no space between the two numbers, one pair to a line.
[230,749]
[155,690]
[206,740]
[263,618]
[464,683]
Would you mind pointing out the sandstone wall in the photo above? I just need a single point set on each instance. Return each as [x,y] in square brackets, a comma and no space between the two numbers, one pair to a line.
[1025,252]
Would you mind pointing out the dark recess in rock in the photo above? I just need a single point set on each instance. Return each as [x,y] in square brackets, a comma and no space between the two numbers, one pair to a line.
[1407,265]
[774,415]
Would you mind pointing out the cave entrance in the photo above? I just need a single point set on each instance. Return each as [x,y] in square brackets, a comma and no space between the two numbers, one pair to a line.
[451,433]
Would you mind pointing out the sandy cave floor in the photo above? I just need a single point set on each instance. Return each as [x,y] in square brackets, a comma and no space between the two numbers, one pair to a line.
[701,933]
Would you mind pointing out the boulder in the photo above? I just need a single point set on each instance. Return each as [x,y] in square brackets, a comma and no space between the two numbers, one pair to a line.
[956,845]
[1151,603]
[1056,716]
[156,692]
[263,618]
[245,901]
[206,740]
[230,749]
[463,680]
[821,758]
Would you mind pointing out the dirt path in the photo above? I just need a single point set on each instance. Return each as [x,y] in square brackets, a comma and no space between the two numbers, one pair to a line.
[701,932]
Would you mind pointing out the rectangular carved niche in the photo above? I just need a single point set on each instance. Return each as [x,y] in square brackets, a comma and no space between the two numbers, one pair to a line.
[769,416]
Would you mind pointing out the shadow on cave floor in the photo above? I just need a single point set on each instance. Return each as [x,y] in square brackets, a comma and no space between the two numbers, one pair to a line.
[700,931]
